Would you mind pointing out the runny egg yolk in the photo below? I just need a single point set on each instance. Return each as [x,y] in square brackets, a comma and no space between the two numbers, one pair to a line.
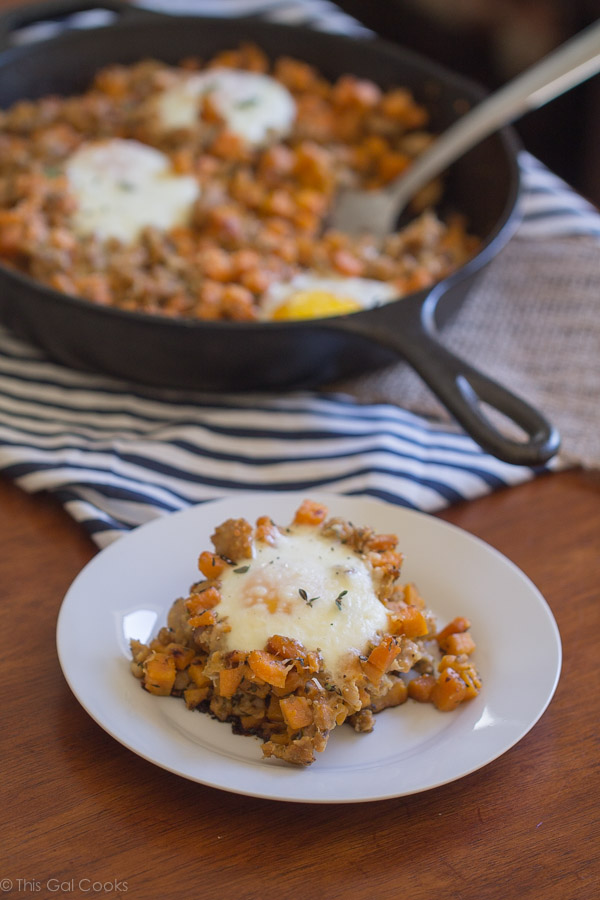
[310,295]
[315,304]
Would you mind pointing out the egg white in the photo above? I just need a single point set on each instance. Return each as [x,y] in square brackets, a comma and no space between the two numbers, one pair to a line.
[254,106]
[365,292]
[292,588]
[123,186]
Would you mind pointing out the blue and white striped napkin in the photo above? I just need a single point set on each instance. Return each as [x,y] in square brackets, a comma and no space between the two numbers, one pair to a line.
[117,455]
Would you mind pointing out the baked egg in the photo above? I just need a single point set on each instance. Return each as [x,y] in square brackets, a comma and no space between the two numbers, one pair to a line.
[305,585]
[123,186]
[254,106]
[311,297]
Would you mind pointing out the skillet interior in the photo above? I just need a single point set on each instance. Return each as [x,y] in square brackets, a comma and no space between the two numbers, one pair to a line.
[230,355]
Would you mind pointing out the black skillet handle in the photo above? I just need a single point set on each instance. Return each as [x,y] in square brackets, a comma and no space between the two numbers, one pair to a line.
[21,17]
[463,389]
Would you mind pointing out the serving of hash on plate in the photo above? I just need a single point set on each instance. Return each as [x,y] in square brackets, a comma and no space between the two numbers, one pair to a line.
[295,630]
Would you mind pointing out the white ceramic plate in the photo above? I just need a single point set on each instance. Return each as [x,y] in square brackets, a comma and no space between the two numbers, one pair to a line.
[127,589]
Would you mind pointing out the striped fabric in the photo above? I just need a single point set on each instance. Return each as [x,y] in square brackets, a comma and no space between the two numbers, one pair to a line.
[117,455]
[550,209]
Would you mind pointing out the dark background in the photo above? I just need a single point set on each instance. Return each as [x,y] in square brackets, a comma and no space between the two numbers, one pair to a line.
[493,41]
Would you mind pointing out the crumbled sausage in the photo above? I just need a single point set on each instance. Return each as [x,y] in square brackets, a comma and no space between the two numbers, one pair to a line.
[234,539]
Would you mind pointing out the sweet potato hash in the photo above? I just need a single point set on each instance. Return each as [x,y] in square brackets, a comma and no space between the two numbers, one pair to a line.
[180,191]
[295,630]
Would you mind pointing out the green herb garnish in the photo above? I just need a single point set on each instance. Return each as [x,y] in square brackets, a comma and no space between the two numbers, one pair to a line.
[248,103]
[304,596]
[338,599]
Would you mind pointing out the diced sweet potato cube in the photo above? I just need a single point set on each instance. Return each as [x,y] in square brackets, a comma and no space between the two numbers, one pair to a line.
[458,644]
[420,688]
[196,673]
[182,655]
[472,681]
[194,696]
[412,596]
[411,622]
[396,695]
[372,672]
[266,531]
[381,658]
[198,602]
[157,645]
[456,626]
[268,667]
[386,559]
[446,662]
[449,690]
[203,620]
[310,513]
[381,542]
[285,647]
[159,674]
[296,711]
[313,661]
[210,564]
[250,722]
[274,713]
[469,675]
[229,681]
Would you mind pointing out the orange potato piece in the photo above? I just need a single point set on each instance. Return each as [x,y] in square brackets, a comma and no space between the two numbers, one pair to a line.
[458,644]
[249,722]
[420,688]
[310,513]
[182,655]
[266,531]
[197,603]
[159,674]
[411,622]
[296,711]
[381,658]
[210,564]
[268,667]
[449,690]
[203,620]
[194,696]
[456,626]
[196,673]
[229,681]
[285,647]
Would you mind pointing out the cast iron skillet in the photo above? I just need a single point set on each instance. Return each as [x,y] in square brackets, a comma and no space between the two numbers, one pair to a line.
[233,356]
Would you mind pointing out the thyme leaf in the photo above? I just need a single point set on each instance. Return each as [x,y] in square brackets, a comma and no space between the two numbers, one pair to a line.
[338,599]
[247,103]
[304,596]
[242,570]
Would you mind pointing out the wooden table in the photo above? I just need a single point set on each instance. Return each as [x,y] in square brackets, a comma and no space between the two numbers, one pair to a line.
[79,808]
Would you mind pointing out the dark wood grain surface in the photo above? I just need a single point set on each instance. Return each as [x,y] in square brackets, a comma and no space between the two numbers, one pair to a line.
[79,808]
[82,816]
